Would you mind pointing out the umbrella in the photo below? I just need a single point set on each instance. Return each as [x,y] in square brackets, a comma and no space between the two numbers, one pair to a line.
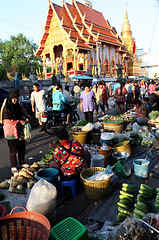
[83,77]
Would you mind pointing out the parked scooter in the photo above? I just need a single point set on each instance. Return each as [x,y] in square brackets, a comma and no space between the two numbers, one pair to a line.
[54,119]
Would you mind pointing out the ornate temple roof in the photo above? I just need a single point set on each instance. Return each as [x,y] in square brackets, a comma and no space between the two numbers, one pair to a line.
[84,26]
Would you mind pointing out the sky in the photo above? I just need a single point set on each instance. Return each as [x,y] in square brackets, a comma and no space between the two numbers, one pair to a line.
[28,17]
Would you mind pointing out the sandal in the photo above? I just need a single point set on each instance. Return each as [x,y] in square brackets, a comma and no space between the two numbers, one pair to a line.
[14,170]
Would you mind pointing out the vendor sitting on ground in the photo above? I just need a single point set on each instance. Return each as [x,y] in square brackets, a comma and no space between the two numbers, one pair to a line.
[141,112]
[68,156]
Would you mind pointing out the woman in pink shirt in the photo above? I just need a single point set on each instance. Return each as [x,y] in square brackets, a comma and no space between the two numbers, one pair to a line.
[151,87]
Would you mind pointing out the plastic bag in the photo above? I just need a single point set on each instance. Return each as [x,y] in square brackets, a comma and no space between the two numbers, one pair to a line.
[97,125]
[88,127]
[99,176]
[42,199]
[147,138]
[107,232]
[112,104]
[132,228]
[27,132]
[135,129]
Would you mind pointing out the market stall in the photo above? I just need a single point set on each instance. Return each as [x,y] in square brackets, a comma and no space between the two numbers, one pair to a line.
[121,183]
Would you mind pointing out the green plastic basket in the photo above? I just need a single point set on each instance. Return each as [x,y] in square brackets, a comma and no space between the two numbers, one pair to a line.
[69,229]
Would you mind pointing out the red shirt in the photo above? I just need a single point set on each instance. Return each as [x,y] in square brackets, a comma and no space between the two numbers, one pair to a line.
[104,95]
[74,164]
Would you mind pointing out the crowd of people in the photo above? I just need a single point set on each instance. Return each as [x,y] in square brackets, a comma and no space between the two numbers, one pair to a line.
[141,96]
[125,94]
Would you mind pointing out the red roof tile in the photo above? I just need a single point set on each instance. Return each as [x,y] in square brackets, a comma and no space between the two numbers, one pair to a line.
[74,13]
[92,15]
[62,14]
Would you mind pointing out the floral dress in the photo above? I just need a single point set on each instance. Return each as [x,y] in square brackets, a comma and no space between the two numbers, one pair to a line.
[72,163]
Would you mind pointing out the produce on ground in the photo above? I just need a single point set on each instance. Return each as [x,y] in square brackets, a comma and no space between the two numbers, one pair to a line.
[24,178]
[125,204]
[142,207]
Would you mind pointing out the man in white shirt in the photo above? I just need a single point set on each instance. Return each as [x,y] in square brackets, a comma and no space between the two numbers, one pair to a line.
[38,103]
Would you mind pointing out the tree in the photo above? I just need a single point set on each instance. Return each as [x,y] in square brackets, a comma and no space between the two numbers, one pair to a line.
[17,55]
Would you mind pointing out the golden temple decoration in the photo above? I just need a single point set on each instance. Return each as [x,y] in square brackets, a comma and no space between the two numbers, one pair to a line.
[10,77]
[88,3]
[40,74]
[24,77]
[74,20]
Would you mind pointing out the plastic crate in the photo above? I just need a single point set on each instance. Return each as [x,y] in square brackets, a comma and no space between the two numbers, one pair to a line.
[69,229]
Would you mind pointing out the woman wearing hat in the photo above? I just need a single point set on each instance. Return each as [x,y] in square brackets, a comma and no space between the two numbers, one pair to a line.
[12,121]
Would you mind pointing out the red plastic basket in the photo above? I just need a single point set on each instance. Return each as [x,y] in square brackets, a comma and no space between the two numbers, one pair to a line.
[24,226]
[2,211]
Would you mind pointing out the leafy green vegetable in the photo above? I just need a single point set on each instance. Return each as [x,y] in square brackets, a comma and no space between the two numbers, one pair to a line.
[153,114]
[81,123]
[48,156]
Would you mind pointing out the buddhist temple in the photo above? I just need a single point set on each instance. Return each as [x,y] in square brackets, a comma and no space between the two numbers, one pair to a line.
[129,42]
[77,38]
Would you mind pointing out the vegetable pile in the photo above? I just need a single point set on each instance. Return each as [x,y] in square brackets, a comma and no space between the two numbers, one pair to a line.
[125,205]
[142,206]
[81,123]
[154,116]
[24,178]
[118,118]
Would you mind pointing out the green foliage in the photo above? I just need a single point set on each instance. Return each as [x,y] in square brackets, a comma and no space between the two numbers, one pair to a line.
[3,73]
[17,55]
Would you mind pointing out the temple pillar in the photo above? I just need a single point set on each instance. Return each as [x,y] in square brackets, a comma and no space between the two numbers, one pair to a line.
[86,62]
[109,61]
[52,56]
[44,65]
[64,61]
[75,59]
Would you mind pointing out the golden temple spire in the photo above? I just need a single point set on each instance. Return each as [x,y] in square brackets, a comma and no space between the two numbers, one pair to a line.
[126,29]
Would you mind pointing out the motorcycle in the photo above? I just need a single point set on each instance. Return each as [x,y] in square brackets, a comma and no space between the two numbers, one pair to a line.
[55,119]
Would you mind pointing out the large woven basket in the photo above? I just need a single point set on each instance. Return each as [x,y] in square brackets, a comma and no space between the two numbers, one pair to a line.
[95,189]
[116,127]
[24,226]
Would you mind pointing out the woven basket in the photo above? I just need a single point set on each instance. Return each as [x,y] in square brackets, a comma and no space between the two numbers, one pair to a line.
[95,189]
[116,127]
[24,226]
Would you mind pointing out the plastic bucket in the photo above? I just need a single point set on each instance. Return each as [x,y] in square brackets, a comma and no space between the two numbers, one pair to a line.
[49,174]
[97,160]
[80,137]
[2,211]
[141,168]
